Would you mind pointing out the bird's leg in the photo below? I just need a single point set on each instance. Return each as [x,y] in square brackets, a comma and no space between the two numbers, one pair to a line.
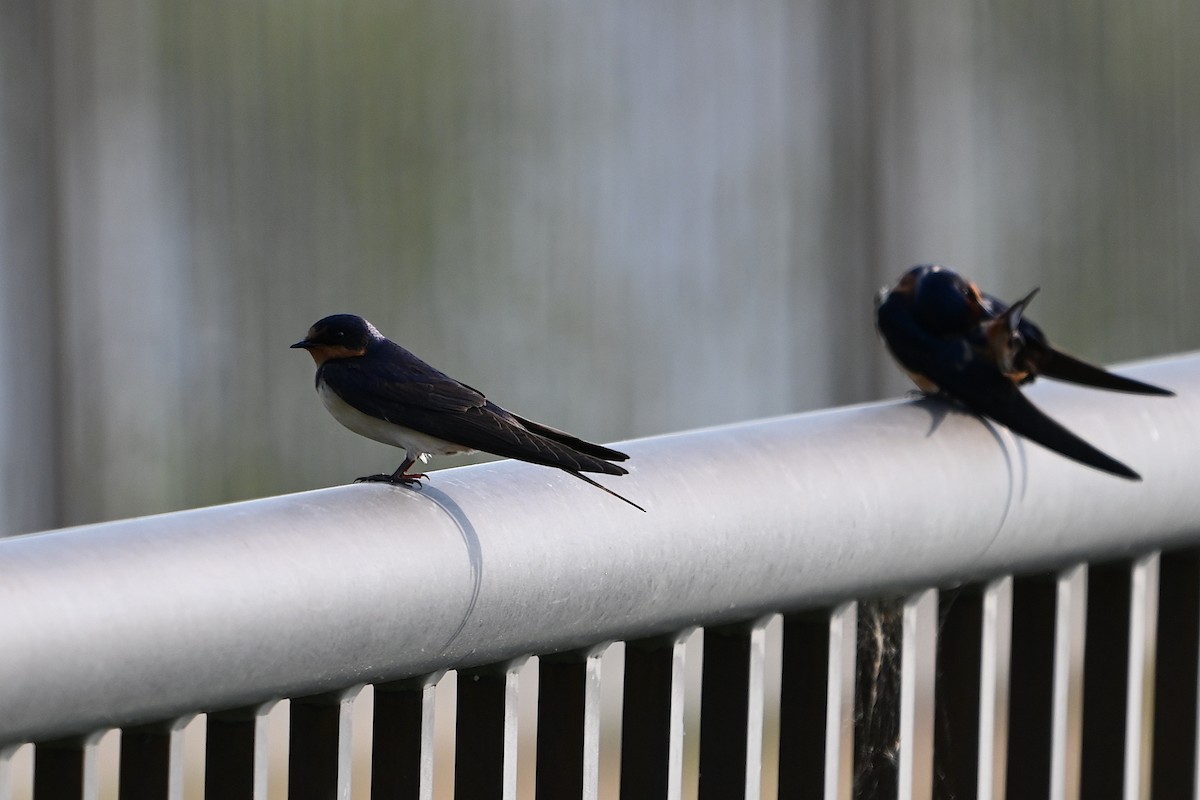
[401,475]
[397,477]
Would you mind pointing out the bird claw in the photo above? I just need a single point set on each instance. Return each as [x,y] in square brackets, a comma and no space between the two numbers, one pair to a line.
[396,480]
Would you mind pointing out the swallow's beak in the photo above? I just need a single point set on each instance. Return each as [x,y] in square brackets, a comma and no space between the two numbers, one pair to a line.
[303,343]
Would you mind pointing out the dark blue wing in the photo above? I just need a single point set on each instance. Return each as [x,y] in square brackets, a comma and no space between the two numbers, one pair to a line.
[392,382]
[985,391]
[1040,357]
[1054,363]
[398,387]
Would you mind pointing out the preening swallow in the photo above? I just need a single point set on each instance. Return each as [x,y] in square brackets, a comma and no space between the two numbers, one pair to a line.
[378,389]
[953,339]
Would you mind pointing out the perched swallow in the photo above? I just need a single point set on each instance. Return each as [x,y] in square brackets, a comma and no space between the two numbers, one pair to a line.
[954,340]
[378,389]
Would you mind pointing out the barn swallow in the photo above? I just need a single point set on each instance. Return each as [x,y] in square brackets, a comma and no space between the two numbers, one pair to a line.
[378,389]
[954,340]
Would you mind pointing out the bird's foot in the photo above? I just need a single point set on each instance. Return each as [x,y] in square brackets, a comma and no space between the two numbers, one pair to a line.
[396,480]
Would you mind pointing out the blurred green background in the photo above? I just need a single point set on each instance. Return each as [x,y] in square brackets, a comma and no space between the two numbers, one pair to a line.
[619,218]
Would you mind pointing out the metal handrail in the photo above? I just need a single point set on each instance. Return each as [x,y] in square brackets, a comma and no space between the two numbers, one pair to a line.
[148,619]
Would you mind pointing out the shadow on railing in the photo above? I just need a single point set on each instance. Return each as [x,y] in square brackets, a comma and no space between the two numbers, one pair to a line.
[878,551]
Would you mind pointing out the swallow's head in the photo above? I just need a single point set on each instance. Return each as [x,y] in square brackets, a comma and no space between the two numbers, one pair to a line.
[946,302]
[339,336]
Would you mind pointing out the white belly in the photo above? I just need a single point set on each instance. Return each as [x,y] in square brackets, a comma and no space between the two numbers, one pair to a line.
[416,444]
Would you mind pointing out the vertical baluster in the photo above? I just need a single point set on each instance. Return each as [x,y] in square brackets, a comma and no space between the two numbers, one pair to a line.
[319,746]
[485,762]
[731,708]
[402,738]
[756,707]
[1031,692]
[958,692]
[67,769]
[1139,719]
[1070,625]
[994,688]
[568,737]
[236,758]
[652,718]
[6,771]
[839,715]
[917,673]
[152,761]
[1176,698]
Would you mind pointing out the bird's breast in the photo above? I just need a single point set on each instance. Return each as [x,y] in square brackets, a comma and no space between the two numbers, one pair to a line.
[414,442]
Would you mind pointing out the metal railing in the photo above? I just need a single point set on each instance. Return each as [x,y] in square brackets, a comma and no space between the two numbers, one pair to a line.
[1054,681]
